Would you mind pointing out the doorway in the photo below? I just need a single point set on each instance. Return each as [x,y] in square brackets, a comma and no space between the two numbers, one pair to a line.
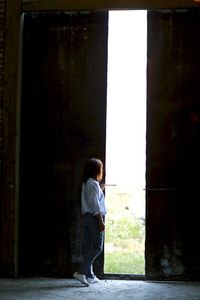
[52,106]
[126,143]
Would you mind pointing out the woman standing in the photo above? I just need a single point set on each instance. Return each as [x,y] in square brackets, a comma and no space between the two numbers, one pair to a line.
[93,210]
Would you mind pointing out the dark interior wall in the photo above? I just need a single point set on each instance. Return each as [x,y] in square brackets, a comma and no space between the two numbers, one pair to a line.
[2,24]
[172,152]
[63,121]
[173,145]
[6,168]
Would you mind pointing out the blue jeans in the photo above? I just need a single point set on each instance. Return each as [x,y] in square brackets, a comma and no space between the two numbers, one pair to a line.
[93,244]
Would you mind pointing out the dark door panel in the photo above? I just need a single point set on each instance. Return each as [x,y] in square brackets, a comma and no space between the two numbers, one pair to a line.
[173,145]
[63,122]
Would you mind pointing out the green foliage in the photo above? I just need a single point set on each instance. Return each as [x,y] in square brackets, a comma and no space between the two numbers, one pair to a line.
[124,263]
[126,240]
[125,235]
[123,229]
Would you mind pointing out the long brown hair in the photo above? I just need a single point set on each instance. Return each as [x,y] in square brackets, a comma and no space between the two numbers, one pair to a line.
[93,168]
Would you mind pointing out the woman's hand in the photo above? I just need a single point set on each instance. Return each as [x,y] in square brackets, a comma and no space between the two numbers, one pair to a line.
[102,186]
[101,223]
[101,226]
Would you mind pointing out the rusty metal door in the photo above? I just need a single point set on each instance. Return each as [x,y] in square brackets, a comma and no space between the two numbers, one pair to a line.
[173,145]
[63,122]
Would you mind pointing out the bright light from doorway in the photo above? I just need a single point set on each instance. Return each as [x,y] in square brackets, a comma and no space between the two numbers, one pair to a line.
[126,118]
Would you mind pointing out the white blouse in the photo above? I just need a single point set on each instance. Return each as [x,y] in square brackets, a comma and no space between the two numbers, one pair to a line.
[92,198]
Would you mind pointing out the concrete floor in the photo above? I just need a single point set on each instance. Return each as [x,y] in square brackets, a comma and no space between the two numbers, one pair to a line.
[57,289]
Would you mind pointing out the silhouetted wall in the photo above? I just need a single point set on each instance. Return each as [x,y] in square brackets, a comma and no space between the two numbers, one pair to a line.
[173,145]
[62,124]
[63,117]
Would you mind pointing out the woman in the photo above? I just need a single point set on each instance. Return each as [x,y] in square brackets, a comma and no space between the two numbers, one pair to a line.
[93,210]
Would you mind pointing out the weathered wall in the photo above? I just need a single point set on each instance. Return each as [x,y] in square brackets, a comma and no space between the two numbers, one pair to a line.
[180,255]
[63,123]
[173,145]
[30,5]
[2,47]
[9,46]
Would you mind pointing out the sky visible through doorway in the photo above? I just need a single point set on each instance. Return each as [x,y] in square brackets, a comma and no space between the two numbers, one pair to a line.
[126,102]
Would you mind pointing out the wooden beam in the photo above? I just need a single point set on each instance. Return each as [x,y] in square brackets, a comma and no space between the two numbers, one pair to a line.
[49,5]
[10,131]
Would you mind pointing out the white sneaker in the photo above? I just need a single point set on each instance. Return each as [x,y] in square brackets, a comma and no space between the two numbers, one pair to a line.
[93,280]
[81,278]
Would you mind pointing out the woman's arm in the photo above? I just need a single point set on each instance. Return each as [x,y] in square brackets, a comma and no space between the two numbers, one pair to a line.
[101,222]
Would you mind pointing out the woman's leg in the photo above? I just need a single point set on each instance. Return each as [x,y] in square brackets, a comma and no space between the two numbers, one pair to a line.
[94,244]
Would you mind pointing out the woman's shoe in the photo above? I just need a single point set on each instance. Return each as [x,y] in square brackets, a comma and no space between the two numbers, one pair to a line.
[93,280]
[81,278]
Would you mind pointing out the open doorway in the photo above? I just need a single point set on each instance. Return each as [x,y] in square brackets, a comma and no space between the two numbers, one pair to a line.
[126,143]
